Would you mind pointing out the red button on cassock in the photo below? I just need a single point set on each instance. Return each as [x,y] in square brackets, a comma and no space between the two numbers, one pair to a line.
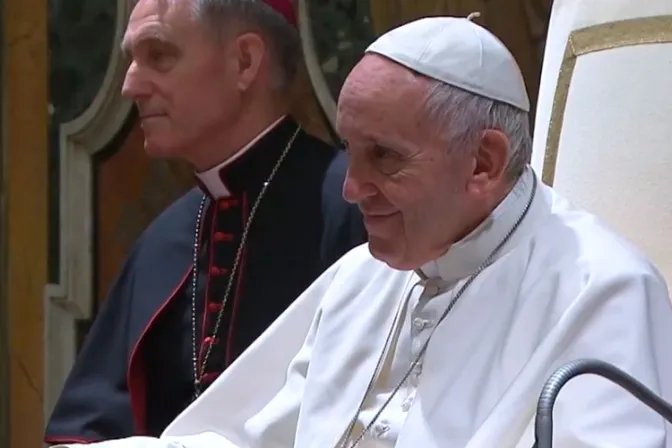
[215,271]
[214,307]
[221,236]
[210,377]
[209,340]
[225,204]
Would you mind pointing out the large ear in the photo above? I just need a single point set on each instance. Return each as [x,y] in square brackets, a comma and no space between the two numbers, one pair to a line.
[491,160]
[602,131]
[249,51]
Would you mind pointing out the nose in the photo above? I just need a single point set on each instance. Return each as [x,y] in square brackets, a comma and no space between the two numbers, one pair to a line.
[357,186]
[135,86]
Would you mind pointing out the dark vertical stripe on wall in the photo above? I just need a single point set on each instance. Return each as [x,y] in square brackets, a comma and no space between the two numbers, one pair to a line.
[4,327]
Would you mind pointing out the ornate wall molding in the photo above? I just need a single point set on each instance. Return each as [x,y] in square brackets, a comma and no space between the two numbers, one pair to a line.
[322,91]
[71,299]
[334,36]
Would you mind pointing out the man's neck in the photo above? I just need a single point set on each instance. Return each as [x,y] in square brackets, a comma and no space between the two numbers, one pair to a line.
[485,209]
[469,253]
[479,216]
[236,137]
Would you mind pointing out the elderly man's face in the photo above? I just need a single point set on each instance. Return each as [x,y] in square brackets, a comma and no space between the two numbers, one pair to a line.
[415,193]
[181,78]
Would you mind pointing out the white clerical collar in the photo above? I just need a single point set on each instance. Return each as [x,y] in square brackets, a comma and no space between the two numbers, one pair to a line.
[467,255]
[211,179]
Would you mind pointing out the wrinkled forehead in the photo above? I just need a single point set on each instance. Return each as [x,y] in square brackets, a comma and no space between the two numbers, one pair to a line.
[157,20]
[380,95]
[164,11]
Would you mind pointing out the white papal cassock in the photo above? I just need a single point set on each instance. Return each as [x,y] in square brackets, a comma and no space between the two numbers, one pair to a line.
[603,135]
[563,287]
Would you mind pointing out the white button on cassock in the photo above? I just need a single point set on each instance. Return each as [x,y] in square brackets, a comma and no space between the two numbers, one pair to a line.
[420,324]
[381,428]
[408,402]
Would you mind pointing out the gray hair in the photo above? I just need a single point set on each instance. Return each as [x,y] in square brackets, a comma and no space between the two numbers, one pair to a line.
[281,36]
[464,116]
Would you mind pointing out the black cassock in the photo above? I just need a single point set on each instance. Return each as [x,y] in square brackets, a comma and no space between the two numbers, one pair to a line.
[135,373]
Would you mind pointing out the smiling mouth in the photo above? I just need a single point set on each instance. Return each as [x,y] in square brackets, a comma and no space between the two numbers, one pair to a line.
[377,218]
[378,215]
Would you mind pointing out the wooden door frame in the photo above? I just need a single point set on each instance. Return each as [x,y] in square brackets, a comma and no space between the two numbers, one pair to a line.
[23,48]
[4,330]
[4,322]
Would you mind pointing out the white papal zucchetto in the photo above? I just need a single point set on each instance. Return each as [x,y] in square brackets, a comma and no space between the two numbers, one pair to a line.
[458,52]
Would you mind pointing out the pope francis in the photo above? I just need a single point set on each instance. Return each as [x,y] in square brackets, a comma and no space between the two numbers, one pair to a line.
[477,283]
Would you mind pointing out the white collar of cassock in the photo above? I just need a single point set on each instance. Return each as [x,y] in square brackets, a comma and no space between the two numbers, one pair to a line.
[211,179]
[467,255]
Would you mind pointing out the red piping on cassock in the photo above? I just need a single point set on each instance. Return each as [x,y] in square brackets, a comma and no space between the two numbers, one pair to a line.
[136,376]
[234,309]
[204,320]
[66,440]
